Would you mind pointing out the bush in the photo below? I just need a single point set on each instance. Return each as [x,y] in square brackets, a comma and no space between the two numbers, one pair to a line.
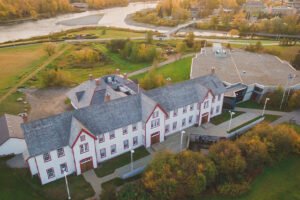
[133,191]
[233,189]
[54,78]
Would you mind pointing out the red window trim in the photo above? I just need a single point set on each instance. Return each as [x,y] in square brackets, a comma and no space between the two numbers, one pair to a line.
[59,156]
[53,172]
[49,158]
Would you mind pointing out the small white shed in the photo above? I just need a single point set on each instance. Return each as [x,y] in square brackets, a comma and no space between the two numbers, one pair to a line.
[11,135]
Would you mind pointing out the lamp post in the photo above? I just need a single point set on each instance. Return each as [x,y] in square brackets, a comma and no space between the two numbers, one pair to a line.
[67,185]
[290,77]
[181,139]
[231,114]
[131,155]
[264,109]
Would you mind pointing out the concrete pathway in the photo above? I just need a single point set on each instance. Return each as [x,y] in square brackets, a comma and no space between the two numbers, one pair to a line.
[16,162]
[221,129]
[259,111]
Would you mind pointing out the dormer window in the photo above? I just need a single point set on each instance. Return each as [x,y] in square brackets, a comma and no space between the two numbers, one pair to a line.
[47,157]
[60,152]
[82,138]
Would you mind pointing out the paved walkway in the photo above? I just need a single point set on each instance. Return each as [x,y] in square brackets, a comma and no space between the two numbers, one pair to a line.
[91,177]
[259,111]
[221,129]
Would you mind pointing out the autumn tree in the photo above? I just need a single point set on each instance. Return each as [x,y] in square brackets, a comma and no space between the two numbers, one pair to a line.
[296,61]
[181,47]
[86,56]
[50,48]
[152,79]
[189,39]
[149,37]
[228,159]
[294,100]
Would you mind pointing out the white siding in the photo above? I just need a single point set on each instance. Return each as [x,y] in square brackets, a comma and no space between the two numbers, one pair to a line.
[55,164]
[13,146]
[90,153]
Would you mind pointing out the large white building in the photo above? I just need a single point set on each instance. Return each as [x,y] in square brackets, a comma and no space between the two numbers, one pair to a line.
[76,141]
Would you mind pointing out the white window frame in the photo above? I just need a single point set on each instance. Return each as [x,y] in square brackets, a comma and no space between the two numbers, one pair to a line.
[155,123]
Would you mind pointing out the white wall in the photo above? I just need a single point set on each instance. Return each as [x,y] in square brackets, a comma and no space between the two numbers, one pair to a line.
[13,146]
[91,153]
[160,128]
[215,104]
[54,163]
[118,141]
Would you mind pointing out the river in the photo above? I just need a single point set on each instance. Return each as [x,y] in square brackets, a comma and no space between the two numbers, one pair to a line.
[113,17]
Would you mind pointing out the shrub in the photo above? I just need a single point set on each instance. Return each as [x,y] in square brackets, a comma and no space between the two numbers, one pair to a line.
[233,189]
[54,78]
[133,191]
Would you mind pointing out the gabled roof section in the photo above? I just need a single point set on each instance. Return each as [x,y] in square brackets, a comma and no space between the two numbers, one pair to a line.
[10,127]
[211,82]
[79,95]
[147,106]
[76,128]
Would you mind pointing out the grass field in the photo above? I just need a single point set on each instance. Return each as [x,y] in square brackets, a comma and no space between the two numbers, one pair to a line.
[177,71]
[225,116]
[18,61]
[111,165]
[18,184]
[279,182]
[110,33]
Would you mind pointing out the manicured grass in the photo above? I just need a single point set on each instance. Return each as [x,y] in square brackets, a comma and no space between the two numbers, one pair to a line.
[11,106]
[110,33]
[244,124]
[177,71]
[18,184]
[279,182]
[250,104]
[111,165]
[271,118]
[225,116]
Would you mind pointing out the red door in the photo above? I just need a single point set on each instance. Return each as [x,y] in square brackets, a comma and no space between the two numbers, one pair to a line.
[204,119]
[86,164]
[155,138]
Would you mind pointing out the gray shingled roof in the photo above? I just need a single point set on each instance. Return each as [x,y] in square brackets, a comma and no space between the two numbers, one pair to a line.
[54,132]
[10,127]
[187,92]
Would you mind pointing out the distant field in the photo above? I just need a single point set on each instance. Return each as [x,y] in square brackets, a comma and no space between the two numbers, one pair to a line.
[110,33]
[15,62]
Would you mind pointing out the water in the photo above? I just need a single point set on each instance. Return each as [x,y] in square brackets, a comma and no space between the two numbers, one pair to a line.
[111,17]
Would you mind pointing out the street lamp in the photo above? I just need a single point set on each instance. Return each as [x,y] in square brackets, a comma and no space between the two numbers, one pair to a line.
[181,138]
[264,109]
[231,114]
[67,185]
[290,77]
[131,154]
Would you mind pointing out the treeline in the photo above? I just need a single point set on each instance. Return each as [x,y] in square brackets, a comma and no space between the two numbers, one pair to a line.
[228,169]
[17,9]
[289,24]
[98,4]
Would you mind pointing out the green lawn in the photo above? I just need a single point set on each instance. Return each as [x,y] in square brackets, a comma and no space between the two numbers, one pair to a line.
[250,104]
[111,165]
[279,182]
[110,33]
[177,71]
[271,118]
[244,124]
[17,184]
[11,106]
[225,116]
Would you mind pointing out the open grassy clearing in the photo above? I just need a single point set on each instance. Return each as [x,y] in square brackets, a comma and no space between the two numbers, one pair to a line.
[18,184]
[11,106]
[108,33]
[177,71]
[18,61]
[111,165]
[279,182]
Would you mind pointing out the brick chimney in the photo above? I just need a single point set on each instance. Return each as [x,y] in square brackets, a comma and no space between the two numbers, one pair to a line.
[98,82]
[125,76]
[213,70]
[107,98]
[91,77]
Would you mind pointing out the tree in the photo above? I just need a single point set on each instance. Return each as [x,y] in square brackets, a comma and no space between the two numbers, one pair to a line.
[214,22]
[234,32]
[239,19]
[152,79]
[228,159]
[55,78]
[296,61]
[181,47]
[189,39]
[294,101]
[149,37]
[50,48]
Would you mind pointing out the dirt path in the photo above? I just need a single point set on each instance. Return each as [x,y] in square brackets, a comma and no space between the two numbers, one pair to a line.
[24,80]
